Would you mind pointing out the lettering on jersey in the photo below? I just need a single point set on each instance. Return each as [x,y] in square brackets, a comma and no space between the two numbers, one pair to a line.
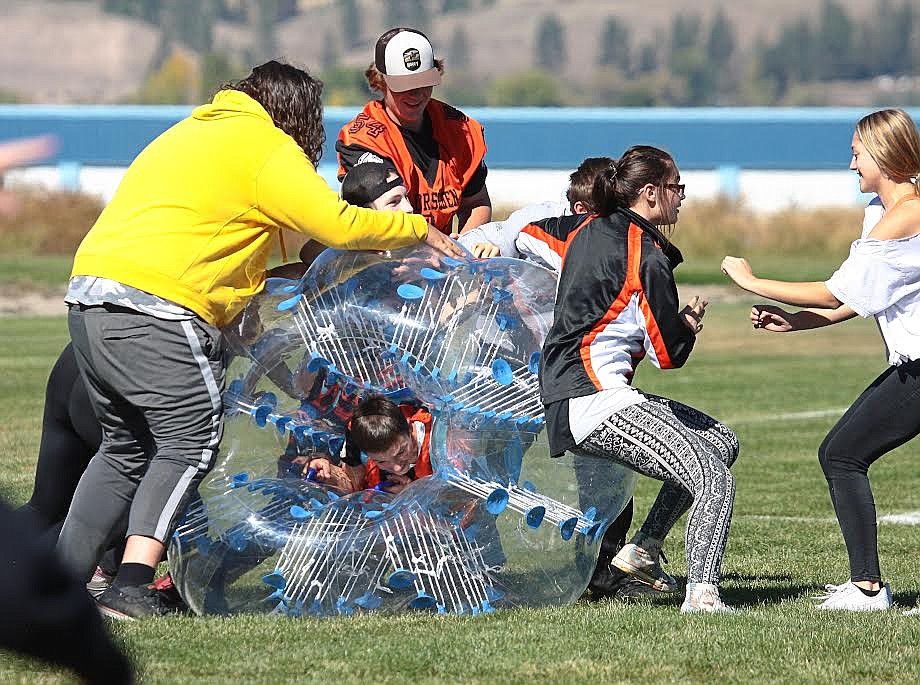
[358,123]
[374,128]
[437,200]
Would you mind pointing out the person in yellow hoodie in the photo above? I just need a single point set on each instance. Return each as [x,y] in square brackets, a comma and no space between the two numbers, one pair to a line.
[176,254]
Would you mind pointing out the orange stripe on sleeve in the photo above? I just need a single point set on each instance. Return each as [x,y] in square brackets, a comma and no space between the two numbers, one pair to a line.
[634,254]
[552,242]
[651,325]
[571,236]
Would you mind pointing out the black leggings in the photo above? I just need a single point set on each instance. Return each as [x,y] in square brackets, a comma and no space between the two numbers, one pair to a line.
[883,417]
[70,437]
[71,434]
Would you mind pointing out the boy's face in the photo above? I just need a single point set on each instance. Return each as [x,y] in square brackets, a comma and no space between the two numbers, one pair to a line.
[399,457]
[394,200]
[408,106]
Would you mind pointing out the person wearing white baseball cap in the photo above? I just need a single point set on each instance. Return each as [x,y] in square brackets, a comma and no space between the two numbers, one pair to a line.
[435,148]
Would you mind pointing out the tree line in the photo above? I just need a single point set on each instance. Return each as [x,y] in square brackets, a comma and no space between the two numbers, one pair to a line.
[690,62]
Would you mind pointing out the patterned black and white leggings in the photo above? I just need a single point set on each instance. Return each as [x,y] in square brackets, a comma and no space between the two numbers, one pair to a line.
[691,452]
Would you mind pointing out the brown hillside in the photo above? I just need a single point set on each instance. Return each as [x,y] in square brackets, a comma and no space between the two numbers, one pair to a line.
[502,39]
[73,52]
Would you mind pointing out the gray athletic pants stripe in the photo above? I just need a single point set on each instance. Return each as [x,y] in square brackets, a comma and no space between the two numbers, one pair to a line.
[155,386]
[691,453]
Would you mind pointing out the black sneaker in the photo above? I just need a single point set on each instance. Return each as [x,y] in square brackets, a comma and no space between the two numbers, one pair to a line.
[632,589]
[169,595]
[130,602]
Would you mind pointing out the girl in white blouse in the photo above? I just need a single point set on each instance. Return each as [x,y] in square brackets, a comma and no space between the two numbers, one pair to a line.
[880,278]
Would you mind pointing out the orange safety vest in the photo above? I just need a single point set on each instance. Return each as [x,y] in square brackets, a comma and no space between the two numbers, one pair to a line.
[462,148]
[373,476]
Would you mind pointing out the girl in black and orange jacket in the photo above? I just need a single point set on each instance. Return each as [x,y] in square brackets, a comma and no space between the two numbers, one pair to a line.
[616,304]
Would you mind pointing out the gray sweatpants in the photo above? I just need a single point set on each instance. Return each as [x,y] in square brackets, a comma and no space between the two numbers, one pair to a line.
[155,386]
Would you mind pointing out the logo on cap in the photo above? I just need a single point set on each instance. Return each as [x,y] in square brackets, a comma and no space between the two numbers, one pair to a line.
[412,59]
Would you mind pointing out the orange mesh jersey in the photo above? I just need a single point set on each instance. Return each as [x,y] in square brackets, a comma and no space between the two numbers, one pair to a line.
[461,149]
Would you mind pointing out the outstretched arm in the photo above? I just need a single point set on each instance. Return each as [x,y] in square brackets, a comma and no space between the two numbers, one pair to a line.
[18,152]
[474,210]
[772,318]
[814,294]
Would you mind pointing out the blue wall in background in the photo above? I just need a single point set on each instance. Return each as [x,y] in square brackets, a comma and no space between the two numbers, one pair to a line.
[518,138]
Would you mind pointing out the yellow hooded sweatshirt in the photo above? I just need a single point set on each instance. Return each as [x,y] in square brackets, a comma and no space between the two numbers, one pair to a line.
[196,213]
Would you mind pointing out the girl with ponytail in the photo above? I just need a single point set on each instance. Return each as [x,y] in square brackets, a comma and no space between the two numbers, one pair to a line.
[616,304]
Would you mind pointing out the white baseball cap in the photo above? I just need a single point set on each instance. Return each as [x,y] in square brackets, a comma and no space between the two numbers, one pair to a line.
[406,60]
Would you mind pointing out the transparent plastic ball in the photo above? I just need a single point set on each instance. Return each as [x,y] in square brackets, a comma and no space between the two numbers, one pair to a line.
[498,518]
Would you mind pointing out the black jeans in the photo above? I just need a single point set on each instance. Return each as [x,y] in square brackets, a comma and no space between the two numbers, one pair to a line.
[883,417]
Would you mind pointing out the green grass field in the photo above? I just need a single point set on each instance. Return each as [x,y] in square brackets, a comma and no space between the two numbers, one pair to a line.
[780,392]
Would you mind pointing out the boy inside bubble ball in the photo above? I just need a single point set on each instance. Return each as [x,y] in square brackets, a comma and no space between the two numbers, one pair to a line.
[374,185]
[386,448]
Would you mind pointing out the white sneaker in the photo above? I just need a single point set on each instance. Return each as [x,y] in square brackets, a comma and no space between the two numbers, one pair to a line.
[912,612]
[638,563]
[829,590]
[848,597]
[703,598]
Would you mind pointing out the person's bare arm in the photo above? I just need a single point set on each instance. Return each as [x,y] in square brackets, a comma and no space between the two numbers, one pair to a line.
[19,152]
[443,244]
[474,210]
[776,320]
[813,294]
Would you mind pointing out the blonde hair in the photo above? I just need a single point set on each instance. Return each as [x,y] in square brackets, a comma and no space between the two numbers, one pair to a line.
[376,80]
[891,137]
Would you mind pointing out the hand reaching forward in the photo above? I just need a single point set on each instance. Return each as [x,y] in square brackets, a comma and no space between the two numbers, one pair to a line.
[485,250]
[394,483]
[692,315]
[770,318]
[443,244]
[322,466]
[738,269]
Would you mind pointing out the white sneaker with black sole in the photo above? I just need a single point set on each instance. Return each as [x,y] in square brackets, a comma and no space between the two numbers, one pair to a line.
[642,565]
[848,597]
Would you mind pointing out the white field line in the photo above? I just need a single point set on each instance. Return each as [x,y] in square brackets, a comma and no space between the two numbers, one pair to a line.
[786,416]
[907,518]
[788,519]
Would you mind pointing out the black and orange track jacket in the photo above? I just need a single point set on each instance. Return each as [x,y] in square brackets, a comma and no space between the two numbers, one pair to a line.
[616,303]
[462,149]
